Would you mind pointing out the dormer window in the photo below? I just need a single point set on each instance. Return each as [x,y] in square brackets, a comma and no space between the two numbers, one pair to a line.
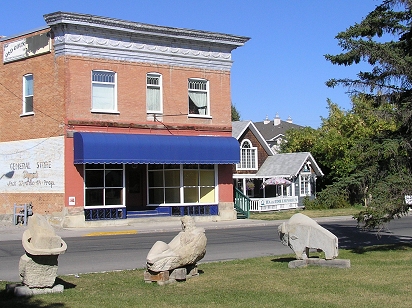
[248,156]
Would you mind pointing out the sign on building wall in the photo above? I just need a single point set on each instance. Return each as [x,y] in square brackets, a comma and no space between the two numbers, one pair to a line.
[32,166]
[27,47]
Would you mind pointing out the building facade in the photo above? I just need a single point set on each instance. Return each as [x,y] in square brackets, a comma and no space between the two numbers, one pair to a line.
[272,181]
[109,119]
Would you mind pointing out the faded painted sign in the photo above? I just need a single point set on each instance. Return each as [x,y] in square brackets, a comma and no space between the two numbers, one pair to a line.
[27,47]
[35,165]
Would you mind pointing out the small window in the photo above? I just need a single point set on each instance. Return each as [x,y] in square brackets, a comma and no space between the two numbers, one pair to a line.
[154,93]
[199,97]
[104,96]
[248,156]
[28,94]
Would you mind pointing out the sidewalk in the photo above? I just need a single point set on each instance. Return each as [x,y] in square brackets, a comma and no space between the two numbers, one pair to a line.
[9,232]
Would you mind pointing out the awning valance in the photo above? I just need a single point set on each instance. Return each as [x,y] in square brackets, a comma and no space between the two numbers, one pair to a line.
[108,148]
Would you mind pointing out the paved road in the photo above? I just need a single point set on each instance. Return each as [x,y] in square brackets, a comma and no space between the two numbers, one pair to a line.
[107,253]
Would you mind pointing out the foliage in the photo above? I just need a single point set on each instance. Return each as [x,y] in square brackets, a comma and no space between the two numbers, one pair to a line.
[366,151]
[235,114]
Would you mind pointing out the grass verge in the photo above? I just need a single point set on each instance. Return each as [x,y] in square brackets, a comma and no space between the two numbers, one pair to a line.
[379,277]
[282,215]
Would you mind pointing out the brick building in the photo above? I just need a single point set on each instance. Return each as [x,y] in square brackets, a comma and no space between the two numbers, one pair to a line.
[108,119]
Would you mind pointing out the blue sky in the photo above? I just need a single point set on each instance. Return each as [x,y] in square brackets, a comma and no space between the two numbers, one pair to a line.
[282,68]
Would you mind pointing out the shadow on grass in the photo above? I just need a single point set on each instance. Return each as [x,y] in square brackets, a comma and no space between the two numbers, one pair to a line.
[283,260]
[8,299]
[360,241]
[387,247]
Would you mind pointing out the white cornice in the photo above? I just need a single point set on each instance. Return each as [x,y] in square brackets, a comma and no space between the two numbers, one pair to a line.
[94,36]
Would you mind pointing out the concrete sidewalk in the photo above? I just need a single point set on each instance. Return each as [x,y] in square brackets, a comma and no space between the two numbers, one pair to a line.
[9,232]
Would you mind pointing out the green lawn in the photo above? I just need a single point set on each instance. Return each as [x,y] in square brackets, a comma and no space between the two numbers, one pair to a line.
[379,277]
[280,215]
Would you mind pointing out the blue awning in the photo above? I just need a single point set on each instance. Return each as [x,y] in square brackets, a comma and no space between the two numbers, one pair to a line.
[107,148]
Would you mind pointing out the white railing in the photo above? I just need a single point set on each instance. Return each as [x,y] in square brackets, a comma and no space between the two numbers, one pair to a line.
[273,204]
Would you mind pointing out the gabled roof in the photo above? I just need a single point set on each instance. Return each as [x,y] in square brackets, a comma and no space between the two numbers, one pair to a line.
[270,131]
[239,127]
[287,165]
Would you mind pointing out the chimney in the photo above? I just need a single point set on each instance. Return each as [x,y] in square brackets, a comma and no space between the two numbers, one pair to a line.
[266,121]
[276,121]
[289,120]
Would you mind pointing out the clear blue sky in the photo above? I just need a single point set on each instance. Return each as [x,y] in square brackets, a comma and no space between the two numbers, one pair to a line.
[282,68]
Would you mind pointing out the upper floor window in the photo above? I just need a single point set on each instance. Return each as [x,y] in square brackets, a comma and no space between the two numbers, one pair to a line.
[154,93]
[104,96]
[248,156]
[28,94]
[198,97]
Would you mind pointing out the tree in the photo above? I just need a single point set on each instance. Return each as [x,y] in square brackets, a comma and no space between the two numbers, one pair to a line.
[384,40]
[235,114]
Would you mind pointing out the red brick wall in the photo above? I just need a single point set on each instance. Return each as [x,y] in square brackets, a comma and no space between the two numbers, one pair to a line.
[48,100]
[131,92]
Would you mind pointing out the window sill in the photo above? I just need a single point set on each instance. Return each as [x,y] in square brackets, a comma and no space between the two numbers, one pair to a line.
[202,116]
[104,111]
[27,114]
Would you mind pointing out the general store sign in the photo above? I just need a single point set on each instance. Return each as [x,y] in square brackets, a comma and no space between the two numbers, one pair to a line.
[32,166]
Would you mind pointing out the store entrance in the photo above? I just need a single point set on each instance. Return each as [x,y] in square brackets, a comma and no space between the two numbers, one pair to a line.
[136,187]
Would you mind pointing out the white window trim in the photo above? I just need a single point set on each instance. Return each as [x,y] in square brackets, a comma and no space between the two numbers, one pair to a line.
[160,86]
[24,107]
[115,107]
[303,175]
[205,116]
[252,148]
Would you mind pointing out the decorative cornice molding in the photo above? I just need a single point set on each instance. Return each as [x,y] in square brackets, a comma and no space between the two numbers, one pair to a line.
[94,36]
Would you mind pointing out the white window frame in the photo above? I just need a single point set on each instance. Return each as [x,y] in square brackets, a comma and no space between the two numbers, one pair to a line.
[110,84]
[304,184]
[248,156]
[104,169]
[159,87]
[182,186]
[198,90]
[28,95]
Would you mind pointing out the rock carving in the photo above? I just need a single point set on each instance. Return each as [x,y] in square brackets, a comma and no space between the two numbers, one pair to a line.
[301,233]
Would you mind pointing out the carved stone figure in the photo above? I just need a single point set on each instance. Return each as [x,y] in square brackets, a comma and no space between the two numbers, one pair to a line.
[186,248]
[38,266]
[302,233]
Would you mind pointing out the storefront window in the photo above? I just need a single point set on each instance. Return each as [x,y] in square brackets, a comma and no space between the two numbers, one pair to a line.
[103,184]
[181,184]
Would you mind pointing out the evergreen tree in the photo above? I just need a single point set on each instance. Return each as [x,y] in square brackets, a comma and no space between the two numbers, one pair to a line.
[382,176]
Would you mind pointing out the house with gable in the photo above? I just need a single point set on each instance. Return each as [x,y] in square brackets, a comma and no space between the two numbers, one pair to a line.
[274,131]
[271,181]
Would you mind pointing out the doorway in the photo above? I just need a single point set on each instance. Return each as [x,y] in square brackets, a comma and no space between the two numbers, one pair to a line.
[135,187]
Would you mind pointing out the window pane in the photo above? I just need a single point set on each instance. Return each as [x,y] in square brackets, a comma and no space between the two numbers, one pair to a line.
[156,195]
[172,178]
[28,85]
[103,96]
[172,195]
[190,178]
[114,178]
[94,197]
[156,178]
[191,194]
[153,99]
[207,194]
[28,104]
[113,196]
[207,178]
[94,178]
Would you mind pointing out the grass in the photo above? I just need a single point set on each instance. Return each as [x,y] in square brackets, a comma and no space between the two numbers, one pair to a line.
[282,215]
[379,277]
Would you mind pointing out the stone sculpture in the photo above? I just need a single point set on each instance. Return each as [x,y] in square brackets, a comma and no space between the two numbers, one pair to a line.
[178,259]
[302,233]
[38,266]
